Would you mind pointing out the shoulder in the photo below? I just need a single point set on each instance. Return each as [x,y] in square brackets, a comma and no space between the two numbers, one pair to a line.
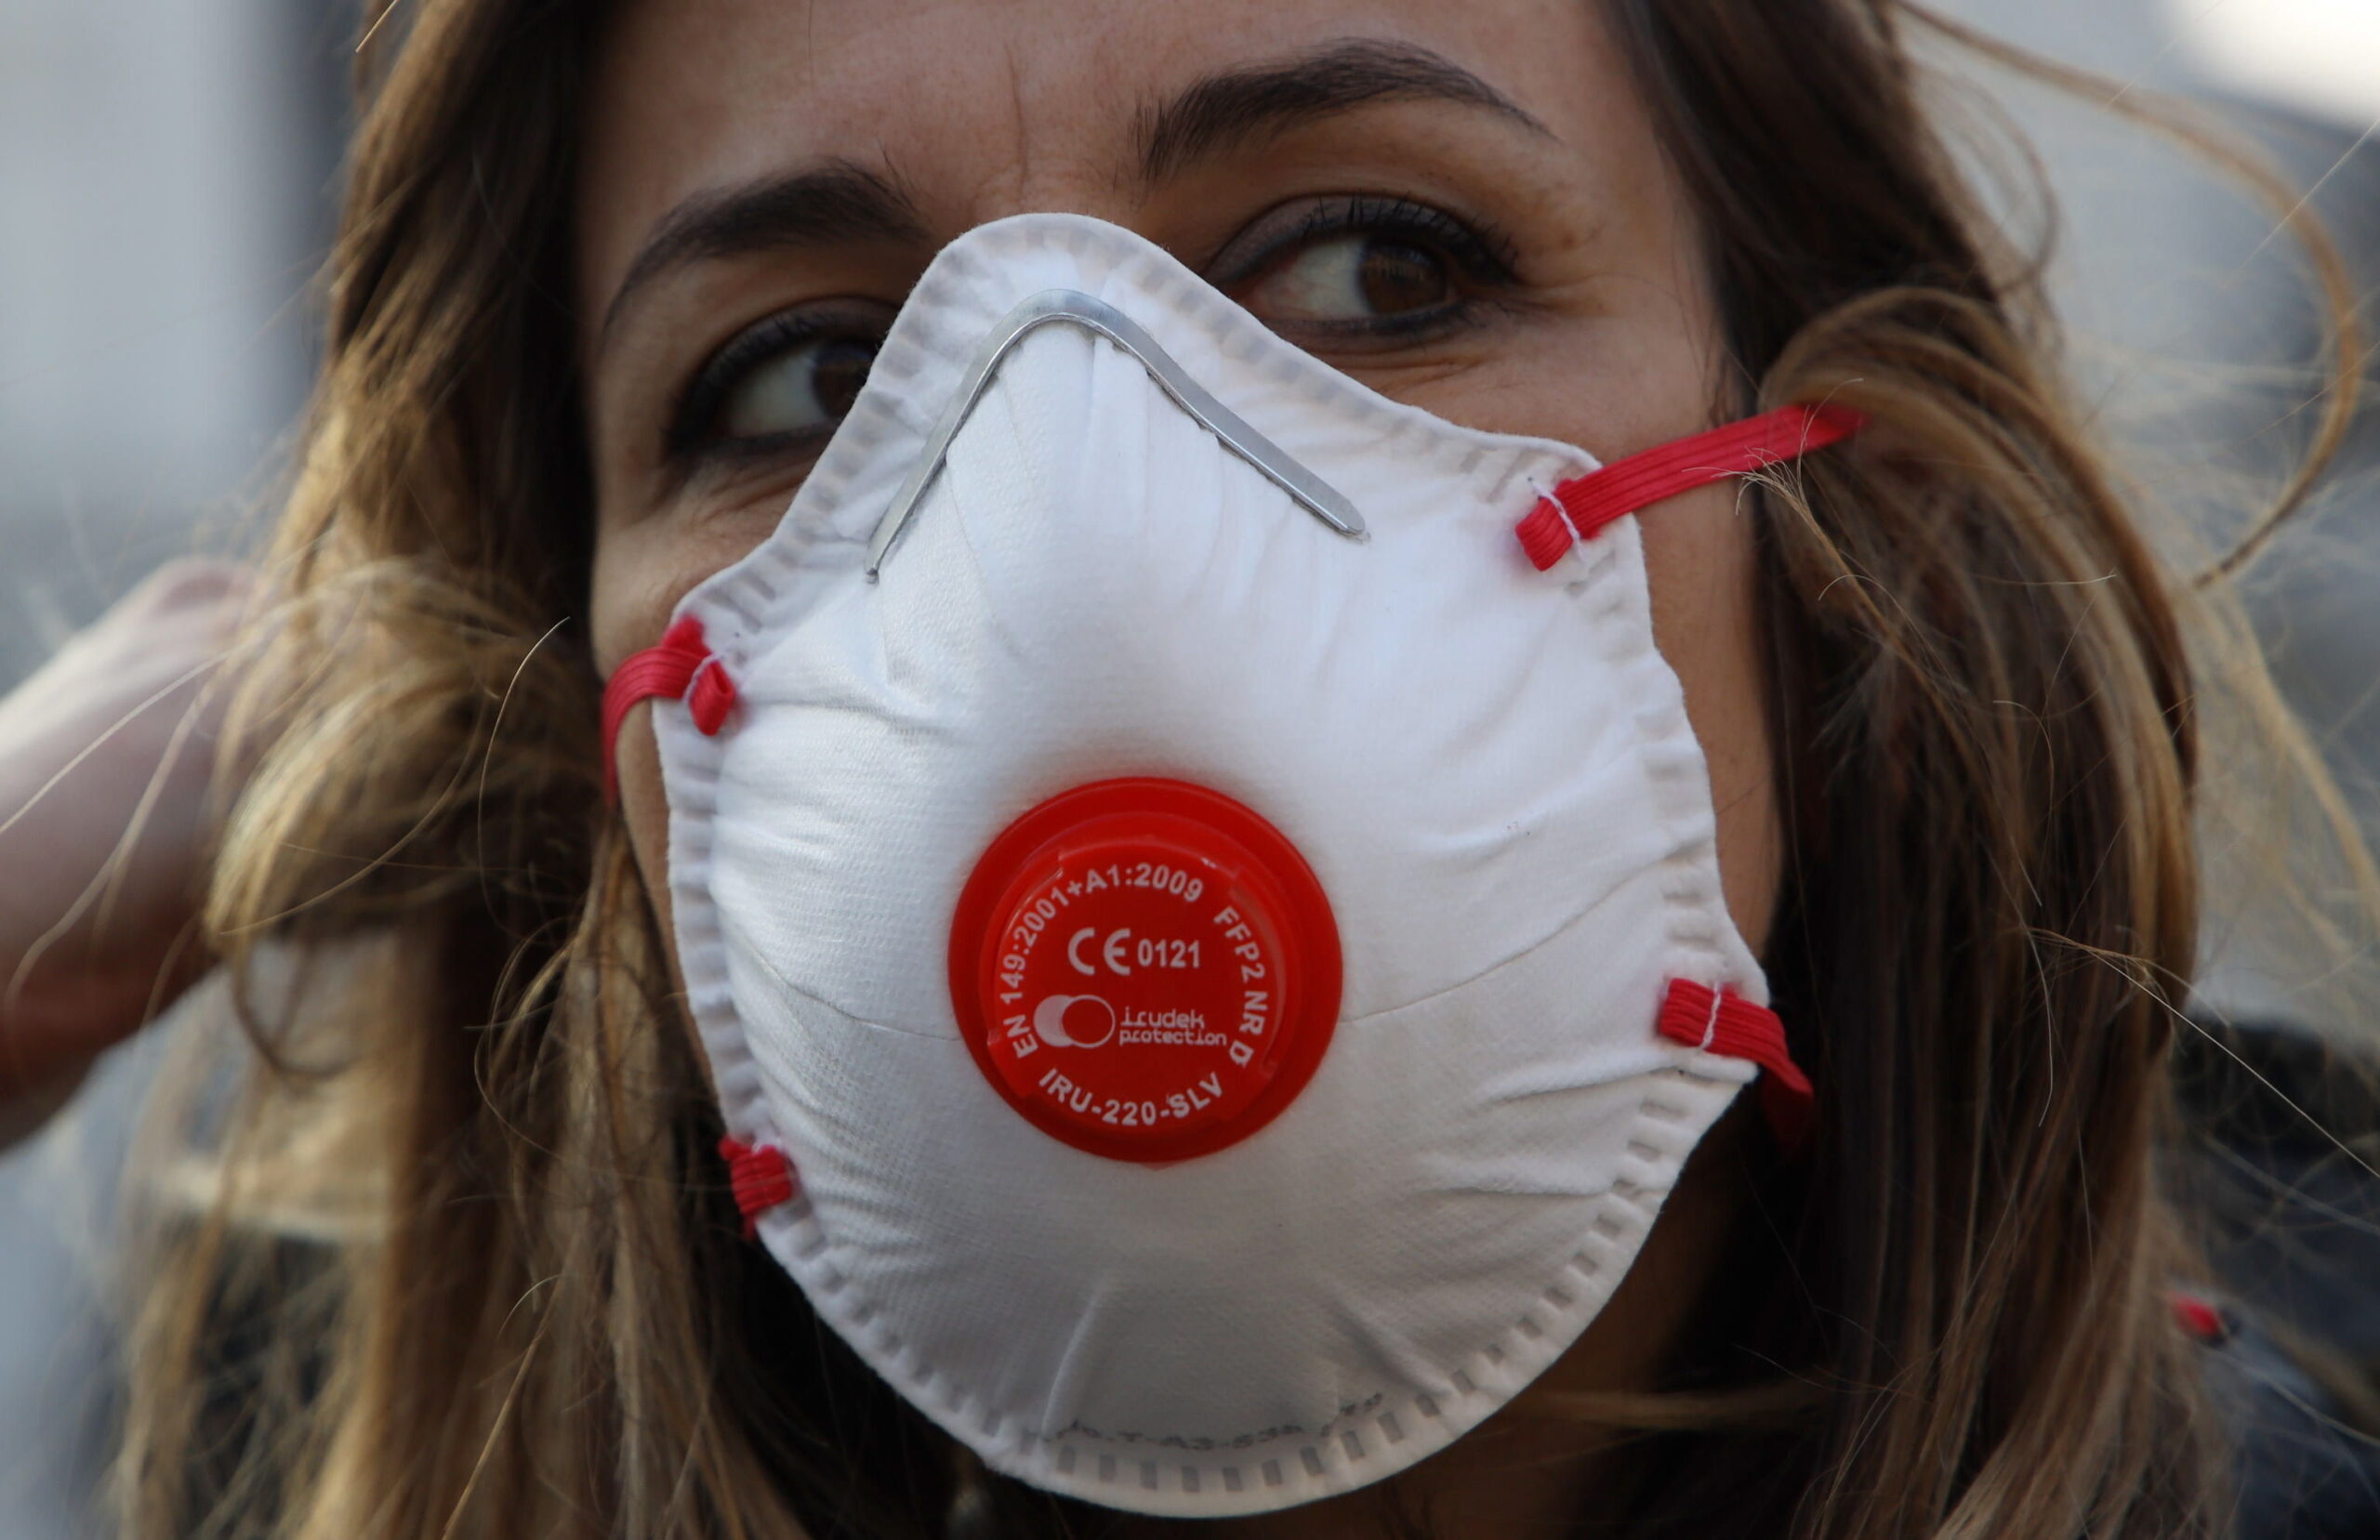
[2303,1472]
[2276,1118]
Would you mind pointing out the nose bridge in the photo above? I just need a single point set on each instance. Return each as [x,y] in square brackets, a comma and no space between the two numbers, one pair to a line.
[1011,485]
[1066,181]
[1026,385]
[1059,153]
[1099,326]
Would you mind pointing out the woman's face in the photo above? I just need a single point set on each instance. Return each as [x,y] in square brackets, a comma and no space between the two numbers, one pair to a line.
[1463,207]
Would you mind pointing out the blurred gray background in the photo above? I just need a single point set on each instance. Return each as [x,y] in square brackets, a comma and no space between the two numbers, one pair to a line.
[166,175]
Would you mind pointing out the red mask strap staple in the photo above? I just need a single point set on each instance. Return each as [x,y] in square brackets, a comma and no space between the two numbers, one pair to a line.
[761,1176]
[1725,1023]
[1578,509]
[682,667]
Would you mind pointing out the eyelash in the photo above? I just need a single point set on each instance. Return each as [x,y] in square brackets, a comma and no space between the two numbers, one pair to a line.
[1479,254]
[694,417]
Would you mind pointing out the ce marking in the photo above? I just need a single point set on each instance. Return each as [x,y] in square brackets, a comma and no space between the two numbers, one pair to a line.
[1112,952]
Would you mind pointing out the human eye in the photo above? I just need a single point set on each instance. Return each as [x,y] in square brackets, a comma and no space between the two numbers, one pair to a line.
[1363,269]
[779,386]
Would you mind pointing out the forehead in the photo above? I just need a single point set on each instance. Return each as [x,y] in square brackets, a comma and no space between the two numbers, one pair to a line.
[978,108]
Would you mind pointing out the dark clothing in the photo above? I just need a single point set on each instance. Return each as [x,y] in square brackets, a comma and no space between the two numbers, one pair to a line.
[2303,1473]
[2278,1155]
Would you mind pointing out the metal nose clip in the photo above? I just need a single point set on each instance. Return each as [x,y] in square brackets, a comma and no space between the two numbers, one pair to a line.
[1076,308]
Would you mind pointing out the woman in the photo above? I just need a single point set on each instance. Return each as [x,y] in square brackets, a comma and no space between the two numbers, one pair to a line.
[609,282]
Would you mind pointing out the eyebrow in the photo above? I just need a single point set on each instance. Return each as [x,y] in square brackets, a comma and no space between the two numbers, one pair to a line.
[1227,110]
[842,201]
[839,202]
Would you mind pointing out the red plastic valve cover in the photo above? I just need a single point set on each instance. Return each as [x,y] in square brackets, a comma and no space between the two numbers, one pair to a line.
[1145,969]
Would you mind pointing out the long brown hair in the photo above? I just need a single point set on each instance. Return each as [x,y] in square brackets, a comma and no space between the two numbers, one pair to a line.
[527,1312]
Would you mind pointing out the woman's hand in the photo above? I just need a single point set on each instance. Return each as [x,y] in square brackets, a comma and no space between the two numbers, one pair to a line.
[107,760]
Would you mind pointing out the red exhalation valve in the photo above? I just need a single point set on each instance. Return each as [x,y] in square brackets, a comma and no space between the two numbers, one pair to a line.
[1144,969]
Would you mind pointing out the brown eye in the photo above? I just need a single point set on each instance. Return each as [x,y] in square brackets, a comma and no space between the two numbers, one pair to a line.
[1360,276]
[808,387]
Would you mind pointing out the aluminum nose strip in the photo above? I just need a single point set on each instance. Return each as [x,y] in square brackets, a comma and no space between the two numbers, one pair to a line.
[1073,308]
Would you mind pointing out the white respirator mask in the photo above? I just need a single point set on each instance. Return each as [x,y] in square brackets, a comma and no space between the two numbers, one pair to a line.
[1211,959]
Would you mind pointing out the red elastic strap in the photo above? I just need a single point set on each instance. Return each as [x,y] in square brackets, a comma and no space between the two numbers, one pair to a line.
[761,1176]
[680,667]
[1578,509]
[1727,1024]
[2201,1319]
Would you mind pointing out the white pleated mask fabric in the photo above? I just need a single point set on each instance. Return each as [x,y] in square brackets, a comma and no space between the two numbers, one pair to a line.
[1489,770]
